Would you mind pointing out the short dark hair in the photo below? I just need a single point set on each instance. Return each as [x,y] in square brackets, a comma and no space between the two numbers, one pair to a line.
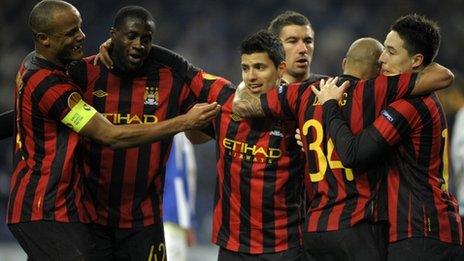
[264,42]
[131,11]
[41,17]
[287,18]
[420,35]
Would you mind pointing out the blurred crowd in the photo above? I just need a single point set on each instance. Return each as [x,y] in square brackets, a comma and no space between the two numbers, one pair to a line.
[208,33]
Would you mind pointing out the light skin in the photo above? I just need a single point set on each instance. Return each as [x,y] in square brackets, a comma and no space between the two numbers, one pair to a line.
[259,75]
[431,78]
[395,59]
[259,72]
[298,42]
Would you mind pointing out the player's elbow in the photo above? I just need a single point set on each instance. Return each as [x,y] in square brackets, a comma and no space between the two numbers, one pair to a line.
[447,78]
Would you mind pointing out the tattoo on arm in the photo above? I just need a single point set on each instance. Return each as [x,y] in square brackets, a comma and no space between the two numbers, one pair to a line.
[247,105]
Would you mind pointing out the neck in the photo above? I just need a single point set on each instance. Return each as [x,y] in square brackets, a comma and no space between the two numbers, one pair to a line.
[291,79]
[49,57]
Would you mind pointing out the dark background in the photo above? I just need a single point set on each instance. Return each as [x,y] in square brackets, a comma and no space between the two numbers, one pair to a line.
[208,34]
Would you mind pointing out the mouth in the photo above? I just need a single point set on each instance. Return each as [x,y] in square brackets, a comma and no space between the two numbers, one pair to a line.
[77,48]
[135,58]
[302,62]
[255,88]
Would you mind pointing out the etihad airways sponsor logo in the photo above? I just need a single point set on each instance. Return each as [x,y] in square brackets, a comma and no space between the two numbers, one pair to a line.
[243,150]
[126,118]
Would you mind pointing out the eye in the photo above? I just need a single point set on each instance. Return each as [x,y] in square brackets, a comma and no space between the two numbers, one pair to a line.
[308,41]
[131,36]
[146,39]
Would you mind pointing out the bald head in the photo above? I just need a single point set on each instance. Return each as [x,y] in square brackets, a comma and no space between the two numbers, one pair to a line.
[362,58]
[42,17]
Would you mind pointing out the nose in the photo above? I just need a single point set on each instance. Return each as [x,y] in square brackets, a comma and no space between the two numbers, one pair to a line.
[302,47]
[382,57]
[81,36]
[251,75]
[137,43]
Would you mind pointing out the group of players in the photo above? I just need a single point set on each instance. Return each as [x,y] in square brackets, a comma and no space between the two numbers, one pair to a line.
[92,143]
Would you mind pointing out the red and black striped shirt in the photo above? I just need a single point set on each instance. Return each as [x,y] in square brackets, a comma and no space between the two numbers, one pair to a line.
[340,197]
[415,131]
[46,183]
[259,189]
[127,184]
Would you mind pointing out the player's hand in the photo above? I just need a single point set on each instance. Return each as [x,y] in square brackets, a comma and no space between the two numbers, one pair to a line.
[329,90]
[298,139]
[200,115]
[104,54]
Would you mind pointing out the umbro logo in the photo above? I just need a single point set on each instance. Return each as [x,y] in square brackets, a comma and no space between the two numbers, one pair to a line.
[235,117]
[100,93]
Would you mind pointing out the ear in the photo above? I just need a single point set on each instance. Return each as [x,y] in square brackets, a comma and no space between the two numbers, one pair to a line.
[417,60]
[343,64]
[281,69]
[43,39]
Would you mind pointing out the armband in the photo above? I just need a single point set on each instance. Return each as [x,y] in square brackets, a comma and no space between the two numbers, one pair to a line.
[79,116]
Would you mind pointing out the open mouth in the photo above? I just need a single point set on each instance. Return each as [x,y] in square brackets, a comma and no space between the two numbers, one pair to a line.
[255,88]
[135,57]
[302,62]
[77,48]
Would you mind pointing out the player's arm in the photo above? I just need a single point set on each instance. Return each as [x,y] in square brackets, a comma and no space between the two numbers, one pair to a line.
[83,119]
[432,78]
[7,123]
[371,143]
[247,104]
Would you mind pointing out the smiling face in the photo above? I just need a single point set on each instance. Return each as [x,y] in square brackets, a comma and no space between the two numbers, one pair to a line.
[298,42]
[132,43]
[259,72]
[66,40]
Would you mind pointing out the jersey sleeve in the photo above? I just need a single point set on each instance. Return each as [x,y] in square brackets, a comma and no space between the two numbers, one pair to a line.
[209,88]
[205,87]
[390,88]
[394,123]
[282,102]
[53,99]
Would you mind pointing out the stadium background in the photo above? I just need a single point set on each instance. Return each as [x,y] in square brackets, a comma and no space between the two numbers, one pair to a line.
[208,34]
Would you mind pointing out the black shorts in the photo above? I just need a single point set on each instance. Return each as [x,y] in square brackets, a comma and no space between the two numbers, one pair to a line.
[292,254]
[145,243]
[51,240]
[424,249]
[364,241]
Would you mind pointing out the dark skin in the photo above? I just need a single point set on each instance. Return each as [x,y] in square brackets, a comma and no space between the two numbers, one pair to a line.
[132,43]
[64,44]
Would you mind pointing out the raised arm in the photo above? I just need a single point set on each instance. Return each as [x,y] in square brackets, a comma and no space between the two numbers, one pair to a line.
[86,121]
[432,78]
[246,104]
